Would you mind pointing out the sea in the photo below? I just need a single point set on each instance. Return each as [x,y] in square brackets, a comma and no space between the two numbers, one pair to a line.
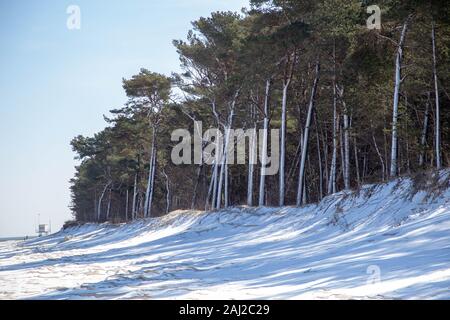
[17,238]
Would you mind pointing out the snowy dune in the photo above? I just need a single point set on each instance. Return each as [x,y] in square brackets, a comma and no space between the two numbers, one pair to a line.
[386,241]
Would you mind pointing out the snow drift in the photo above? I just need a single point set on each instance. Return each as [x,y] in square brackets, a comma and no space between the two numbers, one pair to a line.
[384,241]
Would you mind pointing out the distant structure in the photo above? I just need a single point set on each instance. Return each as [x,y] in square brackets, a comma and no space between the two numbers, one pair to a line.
[43,229]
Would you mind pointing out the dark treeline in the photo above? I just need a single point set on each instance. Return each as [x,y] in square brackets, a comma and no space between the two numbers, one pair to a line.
[355,105]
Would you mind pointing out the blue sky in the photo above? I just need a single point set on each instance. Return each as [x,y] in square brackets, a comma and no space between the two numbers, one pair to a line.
[56,83]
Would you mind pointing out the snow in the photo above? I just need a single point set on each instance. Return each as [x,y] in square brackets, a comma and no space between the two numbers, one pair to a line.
[388,241]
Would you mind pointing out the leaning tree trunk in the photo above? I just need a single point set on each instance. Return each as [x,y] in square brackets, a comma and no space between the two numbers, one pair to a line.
[215,172]
[436,90]
[355,149]
[319,158]
[379,156]
[99,209]
[263,156]
[150,200]
[214,179]
[221,173]
[210,190]
[398,81]
[224,161]
[301,180]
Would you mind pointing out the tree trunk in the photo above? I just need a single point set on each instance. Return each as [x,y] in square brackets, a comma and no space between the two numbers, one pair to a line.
[108,208]
[167,192]
[341,147]
[436,90]
[150,200]
[126,204]
[95,208]
[333,169]
[301,178]
[346,152]
[226,184]
[286,82]
[283,142]
[398,80]
[358,177]
[133,210]
[224,175]
[197,182]
[332,175]
[385,148]
[346,157]
[140,210]
[99,209]
[210,190]
[423,138]
[324,139]
[296,163]
[251,167]
[150,175]
[222,171]
[214,179]
[264,146]
[379,155]
[319,158]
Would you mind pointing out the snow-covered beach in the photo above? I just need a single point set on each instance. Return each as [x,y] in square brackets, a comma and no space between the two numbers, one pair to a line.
[389,241]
